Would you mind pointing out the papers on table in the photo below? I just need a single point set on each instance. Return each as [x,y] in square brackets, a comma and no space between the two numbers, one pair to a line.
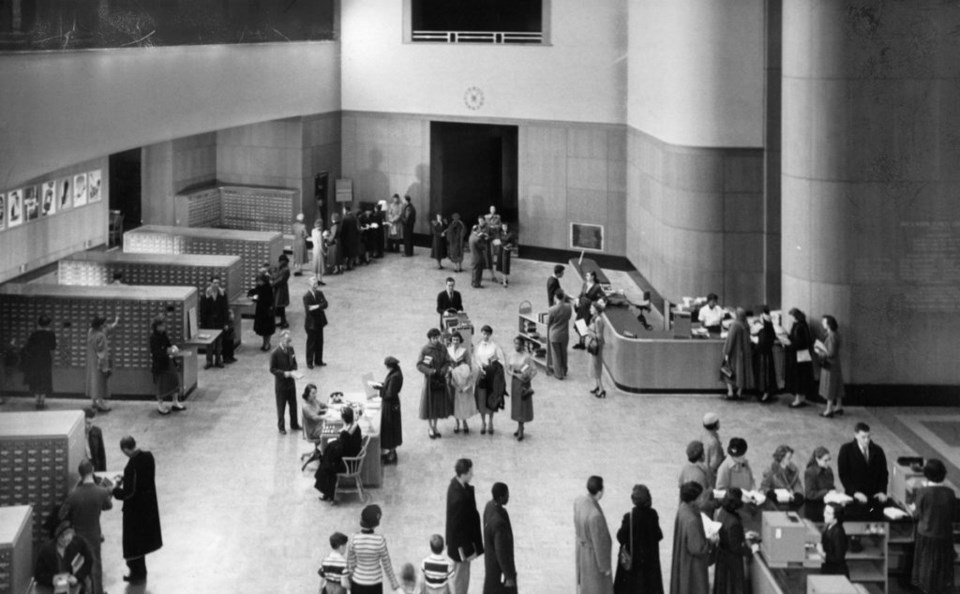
[581,327]
[783,495]
[838,498]
[895,513]
[710,528]
[754,497]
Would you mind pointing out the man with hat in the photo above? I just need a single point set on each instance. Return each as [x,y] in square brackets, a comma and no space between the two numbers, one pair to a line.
[712,446]
[66,559]
[696,471]
[735,471]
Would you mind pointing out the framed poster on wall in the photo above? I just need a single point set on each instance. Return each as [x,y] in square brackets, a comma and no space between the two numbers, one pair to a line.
[3,212]
[584,236]
[31,203]
[80,189]
[93,186]
[48,199]
[15,208]
[65,193]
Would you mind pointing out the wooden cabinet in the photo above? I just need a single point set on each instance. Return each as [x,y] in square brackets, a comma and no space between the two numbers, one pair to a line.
[868,566]
[532,329]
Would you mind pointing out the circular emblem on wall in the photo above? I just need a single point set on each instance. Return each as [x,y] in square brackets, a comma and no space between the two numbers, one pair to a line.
[473,98]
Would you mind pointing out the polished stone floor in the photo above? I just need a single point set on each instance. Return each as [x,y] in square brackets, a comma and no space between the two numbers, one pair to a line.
[239,516]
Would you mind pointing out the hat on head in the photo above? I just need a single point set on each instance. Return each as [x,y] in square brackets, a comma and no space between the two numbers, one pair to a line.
[710,419]
[61,528]
[737,447]
[370,516]
[300,217]
[694,450]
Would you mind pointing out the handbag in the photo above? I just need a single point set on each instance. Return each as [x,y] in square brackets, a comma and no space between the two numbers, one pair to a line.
[626,555]
[593,347]
[726,371]
[804,356]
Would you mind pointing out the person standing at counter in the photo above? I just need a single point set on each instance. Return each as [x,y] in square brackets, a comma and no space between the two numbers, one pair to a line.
[553,284]
[593,544]
[434,364]
[165,375]
[730,577]
[710,315]
[766,378]
[99,365]
[521,369]
[934,505]
[590,293]
[712,445]
[595,332]
[831,375]
[640,533]
[214,314]
[691,547]
[38,361]
[833,542]
[449,299]
[817,482]
[558,334]
[735,471]
[783,474]
[264,322]
[798,361]
[391,430]
[696,471]
[736,355]
[862,466]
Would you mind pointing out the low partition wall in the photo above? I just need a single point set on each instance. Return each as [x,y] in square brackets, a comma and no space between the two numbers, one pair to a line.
[238,207]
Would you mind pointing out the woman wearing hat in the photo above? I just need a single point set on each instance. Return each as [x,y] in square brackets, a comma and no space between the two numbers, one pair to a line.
[732,549]
[735,471]
[368,558]
[281,290]
[299,245]
[521,369]
[934,505]
[391,432]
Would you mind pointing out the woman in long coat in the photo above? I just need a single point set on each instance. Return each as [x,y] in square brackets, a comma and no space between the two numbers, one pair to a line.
[521,369]
[502,253]
[736,354]
[640,533]
[299,245]
[438,247]
[766,373]
[165,375]
[391,430]
[798,361]
[264,322]
[831,374]
[99,364]
[455,233]
[281,290]
[141,514]
[463,382]
[933,559]
[434,364]
[334,252]
[691,548]
[319,265]
[732,549]
[38,361]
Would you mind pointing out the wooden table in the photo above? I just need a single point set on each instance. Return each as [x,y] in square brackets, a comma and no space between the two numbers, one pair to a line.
[204,339]
[372,474]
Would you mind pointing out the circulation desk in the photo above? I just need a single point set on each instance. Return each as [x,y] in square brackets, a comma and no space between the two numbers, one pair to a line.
[372,472]
[72,309]
[640,360]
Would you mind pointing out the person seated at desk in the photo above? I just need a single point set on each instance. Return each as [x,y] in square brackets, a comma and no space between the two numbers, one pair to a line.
[711,314]
[67,554]
[833,542]
[449,299]
[818,481]
[783,474]
[347,445]
[735,471]
[862,466]
[313,412]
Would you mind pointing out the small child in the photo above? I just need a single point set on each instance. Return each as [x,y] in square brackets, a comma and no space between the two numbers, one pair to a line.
[408,579]
[227,338]
[437,569]
[334,578]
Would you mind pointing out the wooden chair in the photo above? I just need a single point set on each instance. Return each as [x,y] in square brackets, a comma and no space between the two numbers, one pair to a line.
[354,467]
[312,456]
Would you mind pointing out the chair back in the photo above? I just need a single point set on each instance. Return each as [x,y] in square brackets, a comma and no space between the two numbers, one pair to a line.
[354,464]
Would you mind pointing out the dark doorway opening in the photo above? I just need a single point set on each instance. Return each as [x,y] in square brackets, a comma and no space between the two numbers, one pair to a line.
[321,195]
[125,193]
[473,167]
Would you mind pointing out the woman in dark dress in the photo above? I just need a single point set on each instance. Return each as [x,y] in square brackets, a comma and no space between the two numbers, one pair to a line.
[281,290]
[264,322]
[729,576]
[38,361]
[165,375]
[798,361]
[640,533]
[455,234]
[521,369]
[831,375]
[391,432]
[766,373]
[502,253]
[347,445]
[934,506]
[833,542]
[589,293]
[817,482]
[438,247]
[736,354]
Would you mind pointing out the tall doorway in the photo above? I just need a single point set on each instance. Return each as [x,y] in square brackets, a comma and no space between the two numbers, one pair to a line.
[473,167]
[125,189]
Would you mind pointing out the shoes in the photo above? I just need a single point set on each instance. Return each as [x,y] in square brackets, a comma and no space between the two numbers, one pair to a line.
[490,431]
[322,364]
[163,410]
[208,366]
[827,415]
[298,273]
[516,433]
[594,391]
[466,430]
[321,283]
[601,394]
[800,404]
[579,347]
[135,579]
[309,365]
[456,430]
[283,432]
[484,430]
[177,407]
[218,365]
[520,437]
[839,411]
[284,325]
[100,406]
[230,360]
[296,428]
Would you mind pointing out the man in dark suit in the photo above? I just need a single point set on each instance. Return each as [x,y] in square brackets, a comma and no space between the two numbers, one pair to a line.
[96,453]
[214,314]
[553,283]
[862,467]
[409,218]
[315,318]
[501,572]
[283,366]
[464,536]
[558,334]
[141,513]
[448,299]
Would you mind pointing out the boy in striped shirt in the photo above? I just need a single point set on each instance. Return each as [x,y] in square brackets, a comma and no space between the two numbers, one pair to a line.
[333,570]
[437,569]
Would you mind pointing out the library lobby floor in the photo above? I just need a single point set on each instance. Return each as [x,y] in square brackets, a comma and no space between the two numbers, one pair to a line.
[239,516]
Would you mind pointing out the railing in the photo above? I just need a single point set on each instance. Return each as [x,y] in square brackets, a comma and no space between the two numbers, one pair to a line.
[500,37]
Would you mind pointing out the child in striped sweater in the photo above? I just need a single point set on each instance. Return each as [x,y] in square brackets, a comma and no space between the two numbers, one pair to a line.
[437,569]
[334,578]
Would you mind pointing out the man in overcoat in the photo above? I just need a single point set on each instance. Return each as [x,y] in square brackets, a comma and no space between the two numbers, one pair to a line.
[501,571]
[593,545]
[464,535]
[141,514]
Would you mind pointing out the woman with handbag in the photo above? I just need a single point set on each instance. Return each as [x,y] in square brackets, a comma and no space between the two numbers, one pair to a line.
[798,360]
[595,347]
[638,564]
[522,370]
[831,376]
[165,374]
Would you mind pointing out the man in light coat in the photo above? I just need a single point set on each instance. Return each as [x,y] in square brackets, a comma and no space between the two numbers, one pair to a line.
[593,545]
